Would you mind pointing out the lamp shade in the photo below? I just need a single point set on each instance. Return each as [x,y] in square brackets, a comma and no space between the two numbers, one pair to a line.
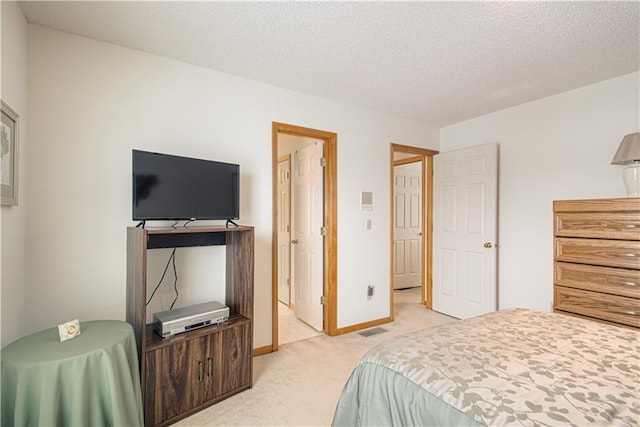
[628,151]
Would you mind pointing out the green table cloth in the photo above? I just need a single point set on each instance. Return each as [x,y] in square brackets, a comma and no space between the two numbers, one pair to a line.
[90,380]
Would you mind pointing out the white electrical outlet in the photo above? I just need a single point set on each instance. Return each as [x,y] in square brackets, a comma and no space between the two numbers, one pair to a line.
[370,291]
[368,224]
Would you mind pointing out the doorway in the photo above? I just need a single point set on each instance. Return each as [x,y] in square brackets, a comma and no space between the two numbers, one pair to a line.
[407,223]
[300,242]
[286,140]
[411,257]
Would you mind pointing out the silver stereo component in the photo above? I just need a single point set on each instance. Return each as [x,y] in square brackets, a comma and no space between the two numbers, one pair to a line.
[172,322]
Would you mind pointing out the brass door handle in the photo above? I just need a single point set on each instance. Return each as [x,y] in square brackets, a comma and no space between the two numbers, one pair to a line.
[488,245]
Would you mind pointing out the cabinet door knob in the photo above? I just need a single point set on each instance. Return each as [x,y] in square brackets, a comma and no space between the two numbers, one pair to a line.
[200,366]
[488,245]
[294,241]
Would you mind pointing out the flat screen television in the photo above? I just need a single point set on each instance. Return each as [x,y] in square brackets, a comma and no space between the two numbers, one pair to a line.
[168,187]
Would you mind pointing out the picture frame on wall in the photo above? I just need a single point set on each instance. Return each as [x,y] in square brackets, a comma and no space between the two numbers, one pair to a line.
[9,129]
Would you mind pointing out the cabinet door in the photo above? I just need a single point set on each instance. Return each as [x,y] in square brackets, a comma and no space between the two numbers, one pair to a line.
[174,380]
[229,361]
[236,359]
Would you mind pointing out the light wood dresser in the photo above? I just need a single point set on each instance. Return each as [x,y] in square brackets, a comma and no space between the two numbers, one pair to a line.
[597,259]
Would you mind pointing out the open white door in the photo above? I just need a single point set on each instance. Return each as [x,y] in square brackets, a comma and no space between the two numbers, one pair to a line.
[465,213]
[307,237]
[284,230]
[407,230]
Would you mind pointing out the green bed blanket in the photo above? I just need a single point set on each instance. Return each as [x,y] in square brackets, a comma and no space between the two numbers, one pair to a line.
[511,367]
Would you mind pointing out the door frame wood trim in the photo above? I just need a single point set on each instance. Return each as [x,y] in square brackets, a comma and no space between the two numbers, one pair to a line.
[330,276]
[284,158]
[407,161]
[425,156]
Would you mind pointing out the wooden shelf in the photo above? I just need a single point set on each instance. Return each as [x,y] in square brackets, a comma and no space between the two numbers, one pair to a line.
[185,373]
[155,341]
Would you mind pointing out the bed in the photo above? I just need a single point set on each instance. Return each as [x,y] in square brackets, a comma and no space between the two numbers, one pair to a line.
[511,367]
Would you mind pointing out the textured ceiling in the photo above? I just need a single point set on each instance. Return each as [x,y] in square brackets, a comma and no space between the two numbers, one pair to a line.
[434,62]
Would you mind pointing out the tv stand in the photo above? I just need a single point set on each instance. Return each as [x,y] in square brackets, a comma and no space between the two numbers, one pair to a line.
[230,221]
[182,374]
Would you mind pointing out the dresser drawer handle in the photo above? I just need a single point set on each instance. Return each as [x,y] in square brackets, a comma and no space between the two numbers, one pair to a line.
[625,312]
[615,282]
[626,227]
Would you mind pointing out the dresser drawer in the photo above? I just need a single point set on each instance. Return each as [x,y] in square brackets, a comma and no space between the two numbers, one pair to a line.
[612,253]
[598,305]
[598,225]
[617,281]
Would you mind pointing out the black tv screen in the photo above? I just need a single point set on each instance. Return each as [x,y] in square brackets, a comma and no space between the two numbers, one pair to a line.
[167,187]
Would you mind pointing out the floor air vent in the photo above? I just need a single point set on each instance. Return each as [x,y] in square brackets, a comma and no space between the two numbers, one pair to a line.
[372,331]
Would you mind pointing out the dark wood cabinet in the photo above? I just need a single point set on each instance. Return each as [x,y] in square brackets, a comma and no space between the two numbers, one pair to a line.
[187,372]
[172,382]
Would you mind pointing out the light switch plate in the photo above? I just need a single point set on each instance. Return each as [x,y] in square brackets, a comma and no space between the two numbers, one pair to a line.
[366,201]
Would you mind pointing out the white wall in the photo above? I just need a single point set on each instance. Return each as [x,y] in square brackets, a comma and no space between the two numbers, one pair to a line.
[555,148]
[91,103]
[13,91]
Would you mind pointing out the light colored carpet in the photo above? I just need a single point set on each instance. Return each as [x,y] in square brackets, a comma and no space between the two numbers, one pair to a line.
[299,385]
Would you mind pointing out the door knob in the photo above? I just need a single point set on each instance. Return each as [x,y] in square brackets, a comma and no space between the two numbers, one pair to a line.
[294,241]
[487,245]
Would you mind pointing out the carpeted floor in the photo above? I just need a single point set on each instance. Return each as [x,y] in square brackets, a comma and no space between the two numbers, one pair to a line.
[299,385]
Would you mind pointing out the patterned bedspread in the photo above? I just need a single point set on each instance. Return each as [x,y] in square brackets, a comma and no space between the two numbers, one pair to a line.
[511,367]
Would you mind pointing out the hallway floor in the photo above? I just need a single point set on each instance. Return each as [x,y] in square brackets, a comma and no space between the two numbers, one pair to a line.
[292,329]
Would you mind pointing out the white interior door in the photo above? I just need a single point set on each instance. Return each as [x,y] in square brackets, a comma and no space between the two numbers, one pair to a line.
[407,231]
[284,231]
[307,238]
[465,231]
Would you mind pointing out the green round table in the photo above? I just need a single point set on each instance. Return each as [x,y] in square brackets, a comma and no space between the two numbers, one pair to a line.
[90,380]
